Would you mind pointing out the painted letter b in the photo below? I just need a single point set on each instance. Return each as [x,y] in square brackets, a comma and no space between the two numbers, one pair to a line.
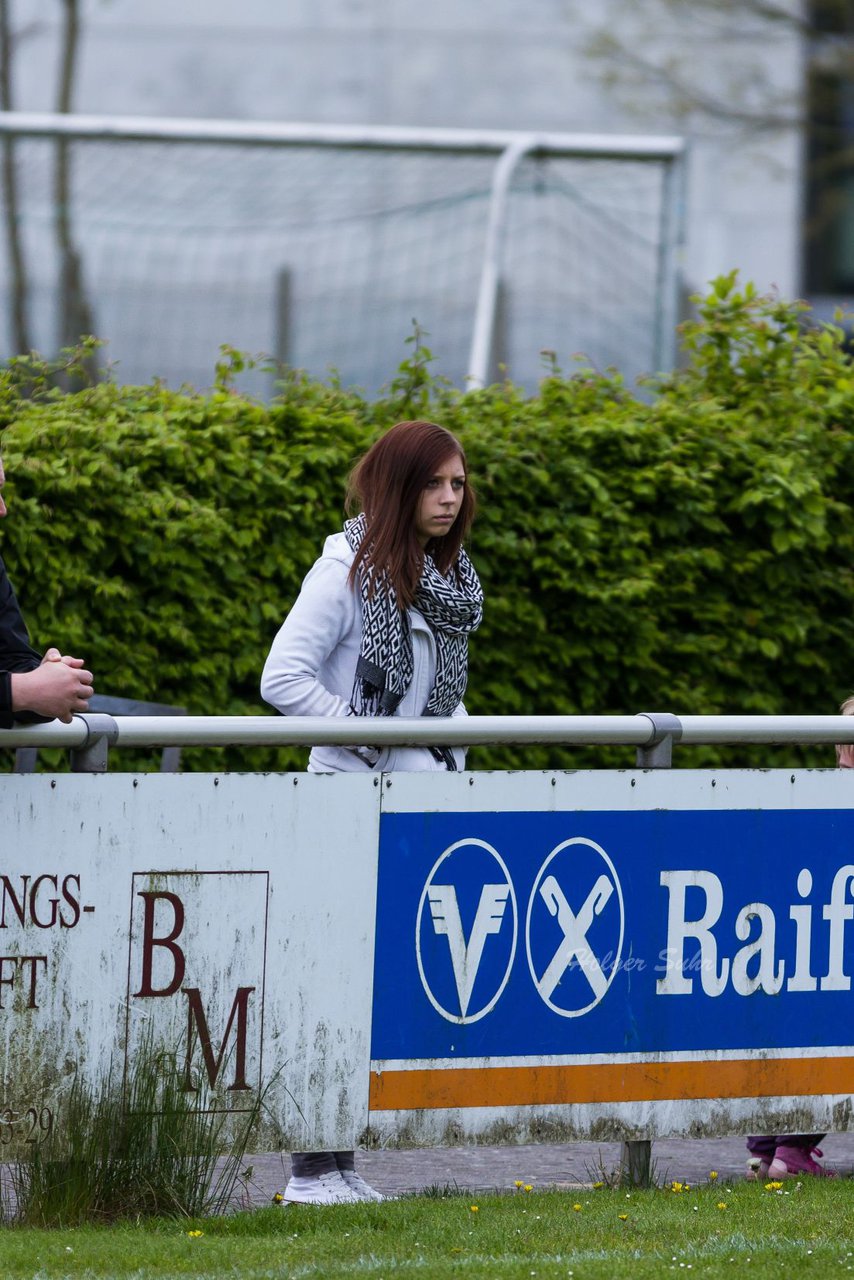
[166,940]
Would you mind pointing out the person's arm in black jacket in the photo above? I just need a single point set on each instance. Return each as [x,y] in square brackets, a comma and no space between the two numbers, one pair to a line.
[32,687]
[16,653]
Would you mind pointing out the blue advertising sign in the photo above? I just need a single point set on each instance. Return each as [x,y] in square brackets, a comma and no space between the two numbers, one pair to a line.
[553,933]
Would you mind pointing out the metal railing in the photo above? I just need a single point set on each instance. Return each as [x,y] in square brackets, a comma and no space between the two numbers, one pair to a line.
[89,737]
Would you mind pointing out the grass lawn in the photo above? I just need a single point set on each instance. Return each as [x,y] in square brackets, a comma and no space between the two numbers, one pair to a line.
[806,1229]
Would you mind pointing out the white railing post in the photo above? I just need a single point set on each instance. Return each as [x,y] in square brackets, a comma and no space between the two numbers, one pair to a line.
[91,757]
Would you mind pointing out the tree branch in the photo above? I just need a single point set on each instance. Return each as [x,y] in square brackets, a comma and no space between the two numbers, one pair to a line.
[686,95]
[75,315]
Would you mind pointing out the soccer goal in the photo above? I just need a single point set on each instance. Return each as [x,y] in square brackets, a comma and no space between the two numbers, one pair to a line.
[321,245]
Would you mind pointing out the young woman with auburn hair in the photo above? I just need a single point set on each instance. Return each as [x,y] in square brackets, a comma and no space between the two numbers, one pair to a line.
[380,628]
[387,485]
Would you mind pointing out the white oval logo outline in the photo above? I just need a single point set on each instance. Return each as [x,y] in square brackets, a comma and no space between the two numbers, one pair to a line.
[591,844]
[465,1019]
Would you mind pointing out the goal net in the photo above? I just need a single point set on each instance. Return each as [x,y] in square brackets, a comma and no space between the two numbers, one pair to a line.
[322,257]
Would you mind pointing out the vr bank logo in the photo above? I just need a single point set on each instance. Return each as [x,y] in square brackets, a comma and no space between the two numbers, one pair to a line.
[574,927]
[466,931]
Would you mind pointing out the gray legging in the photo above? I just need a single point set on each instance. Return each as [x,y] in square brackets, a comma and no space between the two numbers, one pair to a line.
[311,1164]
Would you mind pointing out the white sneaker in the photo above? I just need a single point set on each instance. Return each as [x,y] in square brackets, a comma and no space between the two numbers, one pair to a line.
[359,1187]
[326,1188]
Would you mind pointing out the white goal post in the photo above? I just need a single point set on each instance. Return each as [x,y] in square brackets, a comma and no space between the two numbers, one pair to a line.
[524,241]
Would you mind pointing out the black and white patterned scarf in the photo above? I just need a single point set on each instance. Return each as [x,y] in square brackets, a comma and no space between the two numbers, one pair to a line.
[452,607]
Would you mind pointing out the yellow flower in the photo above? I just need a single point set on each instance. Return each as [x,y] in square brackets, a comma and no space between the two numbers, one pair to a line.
[597,1186]
[195,1233]
[577,1208]
[722,1204]
[474,1208]
[528,1187]
[773,1186]
[713,1176]
[623,1217]
[278,1198]
[676,1186]
[518,1183]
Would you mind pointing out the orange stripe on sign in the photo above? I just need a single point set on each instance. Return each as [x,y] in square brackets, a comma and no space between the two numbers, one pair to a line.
[430,1089]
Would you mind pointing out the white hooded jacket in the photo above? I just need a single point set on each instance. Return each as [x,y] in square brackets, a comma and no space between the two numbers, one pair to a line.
[312,663]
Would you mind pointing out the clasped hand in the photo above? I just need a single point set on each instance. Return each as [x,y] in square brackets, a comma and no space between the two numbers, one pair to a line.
[57,688]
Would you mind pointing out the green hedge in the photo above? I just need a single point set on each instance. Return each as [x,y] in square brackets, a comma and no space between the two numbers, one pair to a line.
[685,548]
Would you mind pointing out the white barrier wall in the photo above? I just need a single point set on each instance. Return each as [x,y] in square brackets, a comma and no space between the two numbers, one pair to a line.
[238,908]
[432,958]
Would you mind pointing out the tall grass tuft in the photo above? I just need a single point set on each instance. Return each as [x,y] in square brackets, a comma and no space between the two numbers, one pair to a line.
[134,1148]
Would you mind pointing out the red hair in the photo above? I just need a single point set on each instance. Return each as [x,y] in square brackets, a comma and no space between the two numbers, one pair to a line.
[387,485]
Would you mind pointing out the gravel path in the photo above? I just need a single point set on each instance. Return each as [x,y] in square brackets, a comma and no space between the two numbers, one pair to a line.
[568,1165]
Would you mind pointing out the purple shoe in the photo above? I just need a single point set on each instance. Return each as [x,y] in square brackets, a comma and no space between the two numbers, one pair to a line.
[793,1162]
